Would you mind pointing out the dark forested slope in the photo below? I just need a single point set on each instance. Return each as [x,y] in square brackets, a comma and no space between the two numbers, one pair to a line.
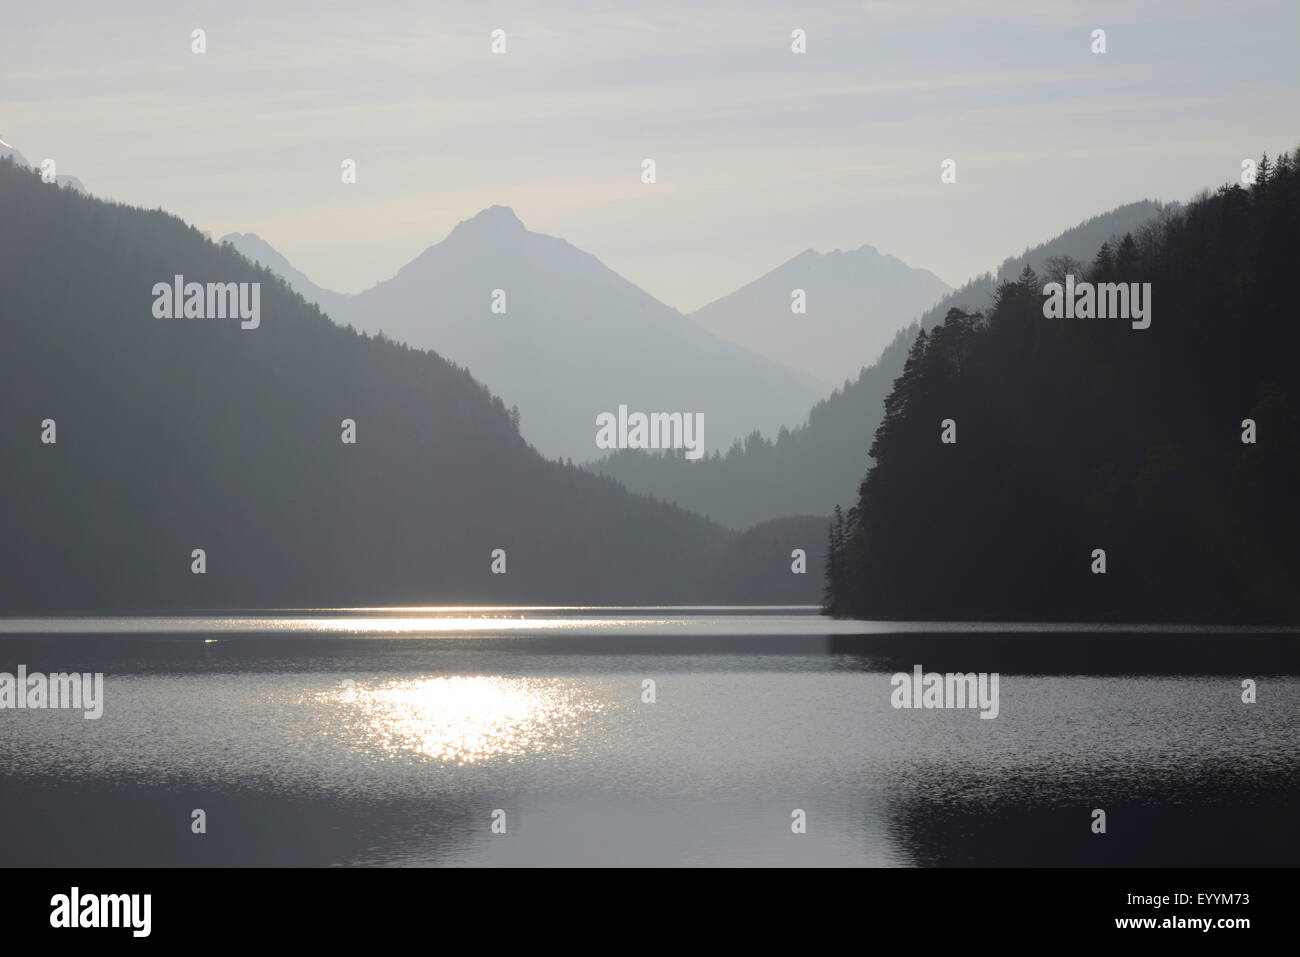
[1076,436]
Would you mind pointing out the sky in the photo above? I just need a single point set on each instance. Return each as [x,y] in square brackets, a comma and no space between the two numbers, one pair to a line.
[760,153]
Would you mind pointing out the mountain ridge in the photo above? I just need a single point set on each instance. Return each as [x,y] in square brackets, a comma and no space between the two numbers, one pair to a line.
[556,332]
[811,468]
[183,434]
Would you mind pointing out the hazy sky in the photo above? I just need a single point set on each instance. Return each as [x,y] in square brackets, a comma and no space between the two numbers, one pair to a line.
[760,153]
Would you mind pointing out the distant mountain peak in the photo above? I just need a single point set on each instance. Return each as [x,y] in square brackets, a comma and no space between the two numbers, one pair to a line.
[856,301]
[256,249]
[245,241]
[493,221]
[866,249]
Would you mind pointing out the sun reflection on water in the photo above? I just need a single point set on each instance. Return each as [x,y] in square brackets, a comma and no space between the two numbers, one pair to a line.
[464,719]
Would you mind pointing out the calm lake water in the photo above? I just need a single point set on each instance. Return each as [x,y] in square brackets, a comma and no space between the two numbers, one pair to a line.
[391,737]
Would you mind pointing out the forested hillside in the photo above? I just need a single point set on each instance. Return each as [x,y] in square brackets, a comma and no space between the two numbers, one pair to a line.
[1078,436]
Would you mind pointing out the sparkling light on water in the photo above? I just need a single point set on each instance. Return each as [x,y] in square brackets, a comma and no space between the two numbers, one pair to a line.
[466,718]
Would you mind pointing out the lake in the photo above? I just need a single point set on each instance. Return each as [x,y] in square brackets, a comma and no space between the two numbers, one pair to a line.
[647,737]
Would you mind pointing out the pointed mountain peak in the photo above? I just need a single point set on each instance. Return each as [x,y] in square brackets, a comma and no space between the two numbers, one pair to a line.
[495,221]
[256,248]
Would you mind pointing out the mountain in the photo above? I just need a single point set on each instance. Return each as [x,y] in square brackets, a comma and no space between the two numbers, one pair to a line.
[254,247]
[855,303]
[130,441]
[574,340]
[1144,467]
[8,152]
[808,470]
